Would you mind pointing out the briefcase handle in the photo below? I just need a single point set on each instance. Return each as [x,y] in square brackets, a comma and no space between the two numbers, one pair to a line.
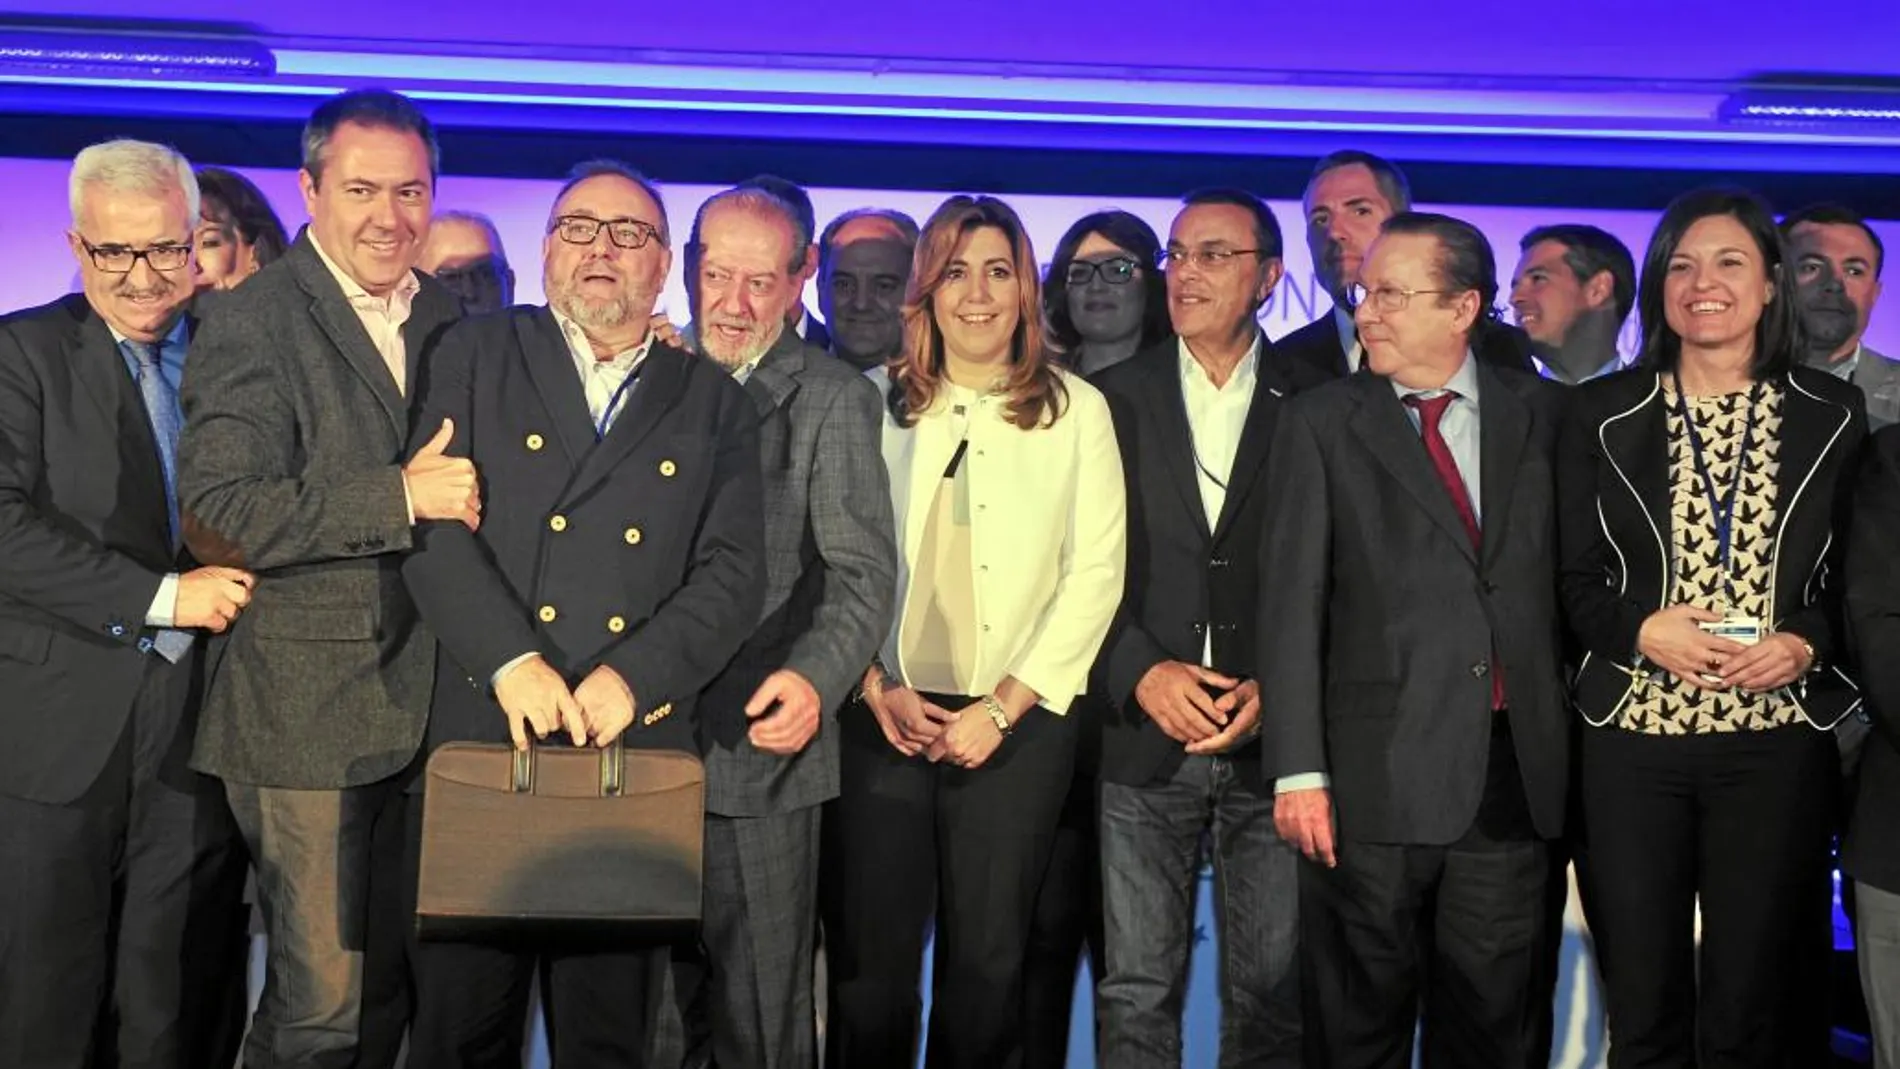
[613,769]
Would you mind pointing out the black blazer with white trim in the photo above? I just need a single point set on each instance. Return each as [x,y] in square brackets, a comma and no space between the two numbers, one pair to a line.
[1614,538]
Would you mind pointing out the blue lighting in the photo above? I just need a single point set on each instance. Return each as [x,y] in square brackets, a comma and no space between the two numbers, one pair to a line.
[66,54]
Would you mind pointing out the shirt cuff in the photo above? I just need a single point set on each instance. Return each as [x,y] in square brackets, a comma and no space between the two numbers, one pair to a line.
[495,680]
[164,610]
[408,504]
[1304,781]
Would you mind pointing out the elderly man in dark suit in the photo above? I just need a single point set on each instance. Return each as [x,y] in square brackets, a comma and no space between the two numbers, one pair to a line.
[296,420]
[1409,661]
[619,565]
[767,726]
[111,847]
[1349,196]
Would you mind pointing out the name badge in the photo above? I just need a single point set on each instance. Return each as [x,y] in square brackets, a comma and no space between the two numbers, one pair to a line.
[1735,627]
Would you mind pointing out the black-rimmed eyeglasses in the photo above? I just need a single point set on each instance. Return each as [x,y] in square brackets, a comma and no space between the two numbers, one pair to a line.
[1116,271]
[121,259]
[583,229]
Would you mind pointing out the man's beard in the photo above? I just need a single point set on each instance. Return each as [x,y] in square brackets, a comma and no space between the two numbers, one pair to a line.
[756,344]
[607,313]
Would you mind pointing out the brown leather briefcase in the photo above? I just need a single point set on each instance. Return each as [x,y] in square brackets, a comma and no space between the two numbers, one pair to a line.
[558,843]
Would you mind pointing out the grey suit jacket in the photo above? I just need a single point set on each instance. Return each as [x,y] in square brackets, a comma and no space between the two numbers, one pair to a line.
[831,575]
[291,465]
[1879,379]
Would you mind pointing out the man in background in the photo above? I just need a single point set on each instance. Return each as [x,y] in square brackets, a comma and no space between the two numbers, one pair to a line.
[864,259]
[464,253]
[1837,261]
[1573,288]
[1348,198]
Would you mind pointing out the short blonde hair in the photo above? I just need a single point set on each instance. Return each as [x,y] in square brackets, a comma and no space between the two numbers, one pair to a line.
[127,166]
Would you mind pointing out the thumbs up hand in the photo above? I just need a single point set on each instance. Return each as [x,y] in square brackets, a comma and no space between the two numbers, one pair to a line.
[442,487]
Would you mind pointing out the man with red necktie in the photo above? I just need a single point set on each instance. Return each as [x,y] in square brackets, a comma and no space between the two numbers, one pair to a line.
[1410,668]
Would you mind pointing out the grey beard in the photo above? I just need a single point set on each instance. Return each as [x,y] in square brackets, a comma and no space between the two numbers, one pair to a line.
[607,314]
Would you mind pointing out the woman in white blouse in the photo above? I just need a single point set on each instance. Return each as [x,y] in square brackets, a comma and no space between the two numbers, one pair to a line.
[1009,500]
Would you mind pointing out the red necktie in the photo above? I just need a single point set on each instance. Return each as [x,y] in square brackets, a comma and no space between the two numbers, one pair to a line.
[1430,411]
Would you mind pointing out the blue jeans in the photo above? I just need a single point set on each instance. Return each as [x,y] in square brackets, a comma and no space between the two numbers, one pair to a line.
[1151,849]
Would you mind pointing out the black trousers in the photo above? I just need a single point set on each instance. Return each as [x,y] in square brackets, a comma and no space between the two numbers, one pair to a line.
[1067,919]
[908,842]
[122,926]
[1455,931]
[1740,822]
[471,999]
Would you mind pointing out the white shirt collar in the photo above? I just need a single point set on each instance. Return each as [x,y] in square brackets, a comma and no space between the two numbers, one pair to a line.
[582,350]
[1245,372]
[1846,368]
[404,292]
[1463,382]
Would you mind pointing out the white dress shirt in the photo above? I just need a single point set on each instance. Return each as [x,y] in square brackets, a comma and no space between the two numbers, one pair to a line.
[1216,417]
[602,379]
[383,317]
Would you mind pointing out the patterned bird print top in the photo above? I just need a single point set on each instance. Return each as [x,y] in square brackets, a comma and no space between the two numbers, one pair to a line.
[1665,705]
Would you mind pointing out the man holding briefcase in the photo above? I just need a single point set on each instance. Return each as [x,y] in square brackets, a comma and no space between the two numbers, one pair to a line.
[617,566]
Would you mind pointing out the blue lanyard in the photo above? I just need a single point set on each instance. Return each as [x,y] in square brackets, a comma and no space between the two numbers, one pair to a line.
[1721,509]
[613,403]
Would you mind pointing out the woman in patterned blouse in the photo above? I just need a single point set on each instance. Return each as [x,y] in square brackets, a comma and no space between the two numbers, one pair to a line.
[1699,497]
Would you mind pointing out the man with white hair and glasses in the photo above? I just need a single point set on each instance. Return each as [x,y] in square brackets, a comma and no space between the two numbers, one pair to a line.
[113,850]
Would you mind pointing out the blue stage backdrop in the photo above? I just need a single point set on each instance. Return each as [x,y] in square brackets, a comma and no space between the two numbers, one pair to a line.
[38,266]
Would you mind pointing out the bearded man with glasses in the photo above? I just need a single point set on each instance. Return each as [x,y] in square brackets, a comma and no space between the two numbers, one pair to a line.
[1180,751]
[621,569]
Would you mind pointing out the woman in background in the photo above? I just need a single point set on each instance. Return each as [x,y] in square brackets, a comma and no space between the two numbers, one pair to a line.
[238,234]
[1103,301]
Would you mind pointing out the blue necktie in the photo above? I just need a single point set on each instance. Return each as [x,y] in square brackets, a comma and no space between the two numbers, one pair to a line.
[161,405]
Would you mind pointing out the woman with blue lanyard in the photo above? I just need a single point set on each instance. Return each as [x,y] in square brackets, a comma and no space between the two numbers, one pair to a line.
[1701,495]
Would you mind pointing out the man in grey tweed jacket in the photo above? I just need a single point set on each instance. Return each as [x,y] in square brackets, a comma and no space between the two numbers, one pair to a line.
[291,465]
[767,726]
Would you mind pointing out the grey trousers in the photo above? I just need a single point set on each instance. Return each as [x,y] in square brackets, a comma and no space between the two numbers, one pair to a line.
[311,851]
[761,916]
[1877,940]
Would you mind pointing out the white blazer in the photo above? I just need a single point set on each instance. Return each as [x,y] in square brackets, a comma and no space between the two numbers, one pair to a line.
[1048,534]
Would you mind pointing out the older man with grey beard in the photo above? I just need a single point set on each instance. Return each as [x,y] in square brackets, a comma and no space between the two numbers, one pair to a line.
[618,572]
[765,725]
